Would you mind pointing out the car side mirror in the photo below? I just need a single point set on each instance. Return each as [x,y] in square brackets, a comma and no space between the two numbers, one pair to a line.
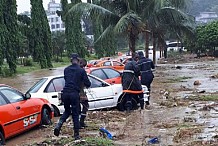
[27,95]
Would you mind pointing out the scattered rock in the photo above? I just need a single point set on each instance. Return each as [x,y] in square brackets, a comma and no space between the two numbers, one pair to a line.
[214,76]
[197,82]
[189,119]
[202,91]
[178,67]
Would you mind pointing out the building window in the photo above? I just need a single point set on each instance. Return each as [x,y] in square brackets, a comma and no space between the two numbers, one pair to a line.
[57,25]
[62,25]
[52,26]
[57,19]
[52,19]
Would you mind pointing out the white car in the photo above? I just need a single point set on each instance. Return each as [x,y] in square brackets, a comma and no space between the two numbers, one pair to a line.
[100,94]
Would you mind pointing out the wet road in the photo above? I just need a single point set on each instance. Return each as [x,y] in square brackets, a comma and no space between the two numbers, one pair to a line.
[23,83]
[195,71]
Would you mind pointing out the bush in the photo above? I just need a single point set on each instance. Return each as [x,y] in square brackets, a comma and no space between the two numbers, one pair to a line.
[5,72]
[28,62]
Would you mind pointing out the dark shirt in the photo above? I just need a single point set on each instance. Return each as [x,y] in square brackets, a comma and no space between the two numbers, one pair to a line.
[74,76]
[145,65]
[130,77]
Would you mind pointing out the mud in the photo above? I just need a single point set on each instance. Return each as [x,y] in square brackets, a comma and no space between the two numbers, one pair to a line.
[179,114]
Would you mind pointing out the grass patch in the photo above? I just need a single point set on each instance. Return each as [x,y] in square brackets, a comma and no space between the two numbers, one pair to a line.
[205,98]
[25,69]
[99,142]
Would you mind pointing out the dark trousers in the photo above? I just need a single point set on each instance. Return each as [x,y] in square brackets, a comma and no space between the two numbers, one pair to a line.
[137,97]
[72,107]
[85,107]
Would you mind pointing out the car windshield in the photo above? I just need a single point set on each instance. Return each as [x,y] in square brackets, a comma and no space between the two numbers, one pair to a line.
[37,86]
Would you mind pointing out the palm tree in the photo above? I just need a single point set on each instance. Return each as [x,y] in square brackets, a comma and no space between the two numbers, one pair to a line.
[132,17]
[162,16]
[120,18]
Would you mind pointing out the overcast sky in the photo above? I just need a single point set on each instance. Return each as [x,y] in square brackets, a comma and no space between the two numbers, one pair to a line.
[24,5]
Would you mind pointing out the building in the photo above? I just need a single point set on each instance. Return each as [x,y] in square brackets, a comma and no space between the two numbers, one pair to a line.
[55,22]
[206,17]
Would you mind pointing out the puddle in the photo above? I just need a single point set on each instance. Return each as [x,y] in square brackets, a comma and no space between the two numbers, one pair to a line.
[206,118]
[194,71]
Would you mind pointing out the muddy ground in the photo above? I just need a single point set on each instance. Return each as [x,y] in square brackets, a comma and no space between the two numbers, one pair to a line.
[183,111]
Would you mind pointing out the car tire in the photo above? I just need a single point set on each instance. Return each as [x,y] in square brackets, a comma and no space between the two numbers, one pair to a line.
[56,111]
[121,104]
[46,119]
[2,139]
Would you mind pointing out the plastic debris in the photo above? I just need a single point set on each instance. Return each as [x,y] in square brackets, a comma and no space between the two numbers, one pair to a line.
[105,131]
[153,140]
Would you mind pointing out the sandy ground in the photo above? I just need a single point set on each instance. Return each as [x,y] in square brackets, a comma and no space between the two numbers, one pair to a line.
[177,114]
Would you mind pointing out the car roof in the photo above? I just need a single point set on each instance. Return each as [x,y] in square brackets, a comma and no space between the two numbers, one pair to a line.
[58,76]
[4,85]
[88,70]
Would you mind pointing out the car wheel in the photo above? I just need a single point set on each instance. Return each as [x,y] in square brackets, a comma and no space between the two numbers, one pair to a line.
[122,102]
[56,111]
[2,139]
[46,119]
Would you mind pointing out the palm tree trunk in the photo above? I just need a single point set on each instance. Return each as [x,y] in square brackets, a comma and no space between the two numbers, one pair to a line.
[146,42]
[132,40]
[154,48]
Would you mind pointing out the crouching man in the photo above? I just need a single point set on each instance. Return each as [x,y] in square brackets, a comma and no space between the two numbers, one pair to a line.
[131,85]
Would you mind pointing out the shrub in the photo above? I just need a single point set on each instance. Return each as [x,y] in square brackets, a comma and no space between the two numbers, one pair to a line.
[28,62]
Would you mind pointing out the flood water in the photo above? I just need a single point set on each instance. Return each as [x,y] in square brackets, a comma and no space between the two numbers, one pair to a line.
[25,81]
[191,72]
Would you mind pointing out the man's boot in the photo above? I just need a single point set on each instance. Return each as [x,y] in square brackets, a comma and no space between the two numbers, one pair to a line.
[58,128]
[147,102]
[82,123]
[76,134]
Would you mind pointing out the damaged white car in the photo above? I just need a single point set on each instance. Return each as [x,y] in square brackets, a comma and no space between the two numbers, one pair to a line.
[100,95]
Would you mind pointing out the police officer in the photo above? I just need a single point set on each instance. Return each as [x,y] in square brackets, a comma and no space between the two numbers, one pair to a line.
[131,84]
[74,76]
[146,65]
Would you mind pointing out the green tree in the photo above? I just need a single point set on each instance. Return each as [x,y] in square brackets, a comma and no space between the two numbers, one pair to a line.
[75,41]
[2,32]
[118,21]
[24,32]
[40,34]
[11,36]
[59,44]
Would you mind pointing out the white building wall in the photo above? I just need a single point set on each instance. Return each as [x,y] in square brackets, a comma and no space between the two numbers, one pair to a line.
[55,22]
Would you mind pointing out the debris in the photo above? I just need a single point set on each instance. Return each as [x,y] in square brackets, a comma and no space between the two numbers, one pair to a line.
[214,76]
[153,140]
[189,119]
[105,133]
[197,82]
[178,67]
[202,91]
[211,126]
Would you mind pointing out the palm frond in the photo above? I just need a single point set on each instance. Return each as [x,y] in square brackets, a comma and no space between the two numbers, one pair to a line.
[93,10]
[106,32]
[129,21]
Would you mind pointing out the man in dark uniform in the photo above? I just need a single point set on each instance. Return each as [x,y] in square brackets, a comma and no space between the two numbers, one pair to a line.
[146,65]
[74,76]
[132,87]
